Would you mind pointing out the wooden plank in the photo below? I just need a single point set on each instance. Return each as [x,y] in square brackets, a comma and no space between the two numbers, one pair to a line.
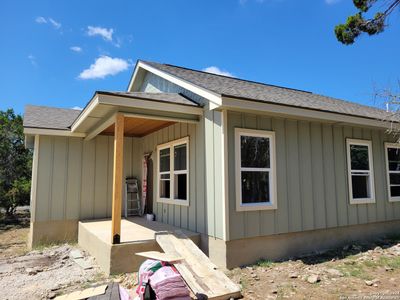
[199,273]
[90,292]
[169,258]
[117,178]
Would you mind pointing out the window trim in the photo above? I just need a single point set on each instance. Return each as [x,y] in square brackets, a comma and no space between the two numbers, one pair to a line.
[272,170]
[367,143]
[172,172]
[390,145]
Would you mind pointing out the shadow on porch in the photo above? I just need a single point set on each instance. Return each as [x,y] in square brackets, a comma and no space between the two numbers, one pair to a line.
[137,235]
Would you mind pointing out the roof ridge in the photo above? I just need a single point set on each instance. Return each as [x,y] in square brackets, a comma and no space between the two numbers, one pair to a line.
[230,77]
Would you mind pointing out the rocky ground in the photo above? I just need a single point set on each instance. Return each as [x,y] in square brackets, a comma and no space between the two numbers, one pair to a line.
[368,271]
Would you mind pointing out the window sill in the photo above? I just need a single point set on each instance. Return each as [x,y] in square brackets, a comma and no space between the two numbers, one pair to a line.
[173,202]
[362,201]
[394,199]
[256,207]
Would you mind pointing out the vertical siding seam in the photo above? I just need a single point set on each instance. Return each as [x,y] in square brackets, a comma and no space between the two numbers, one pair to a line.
[323,174]
[80,179]
[300,168]
[94,179]
[286,175]
[334,177]
[298,176]
[66,178]
[346,182]
[195,174]
[51,179]
[312,183]
[213,168]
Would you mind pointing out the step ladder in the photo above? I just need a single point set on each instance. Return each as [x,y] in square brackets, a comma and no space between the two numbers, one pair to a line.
[133,206]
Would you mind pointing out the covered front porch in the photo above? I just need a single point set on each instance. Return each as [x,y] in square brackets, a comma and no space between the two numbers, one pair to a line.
[137,235]
[137,126]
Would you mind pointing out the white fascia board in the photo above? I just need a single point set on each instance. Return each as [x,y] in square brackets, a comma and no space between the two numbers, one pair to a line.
[53,132]
[213,97]
[148,104]
[160,118]
[86,112]
[290,111]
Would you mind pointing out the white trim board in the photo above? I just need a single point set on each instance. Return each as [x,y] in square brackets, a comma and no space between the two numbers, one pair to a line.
[272,170]
[397,146]
[54,132]
[213,97]
[244,105]
[371,198]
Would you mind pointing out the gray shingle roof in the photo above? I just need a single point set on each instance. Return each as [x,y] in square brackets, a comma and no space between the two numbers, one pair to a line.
[160,97]
[62,119]
[49,117]
[254,91]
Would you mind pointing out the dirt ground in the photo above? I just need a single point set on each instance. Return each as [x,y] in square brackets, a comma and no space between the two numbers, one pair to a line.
[368,271]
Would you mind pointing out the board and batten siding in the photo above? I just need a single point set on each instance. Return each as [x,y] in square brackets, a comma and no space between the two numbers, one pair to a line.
[74,177]
[192,217]
[311,178]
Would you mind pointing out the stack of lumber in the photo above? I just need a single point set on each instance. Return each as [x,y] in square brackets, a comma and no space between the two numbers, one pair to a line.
[204,279]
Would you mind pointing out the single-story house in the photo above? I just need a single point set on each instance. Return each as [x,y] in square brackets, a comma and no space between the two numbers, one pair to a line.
[248,170]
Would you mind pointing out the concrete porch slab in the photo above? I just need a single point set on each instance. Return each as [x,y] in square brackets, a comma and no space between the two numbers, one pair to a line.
[137,235]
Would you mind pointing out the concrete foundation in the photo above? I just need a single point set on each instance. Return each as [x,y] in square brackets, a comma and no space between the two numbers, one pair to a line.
[248,251]
[52,232]
[137,235]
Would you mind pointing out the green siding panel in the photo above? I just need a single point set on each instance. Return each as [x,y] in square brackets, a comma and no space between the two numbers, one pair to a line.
[312,183]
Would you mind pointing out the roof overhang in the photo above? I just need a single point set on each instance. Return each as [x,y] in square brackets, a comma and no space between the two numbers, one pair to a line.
[215,99]
[259,107]
[100,111]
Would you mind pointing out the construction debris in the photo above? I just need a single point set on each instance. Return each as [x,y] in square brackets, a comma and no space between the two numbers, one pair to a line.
[204,278]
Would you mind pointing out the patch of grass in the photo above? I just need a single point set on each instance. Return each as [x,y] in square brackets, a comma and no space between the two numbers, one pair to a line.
[243,282]
[265,263]
[354,270]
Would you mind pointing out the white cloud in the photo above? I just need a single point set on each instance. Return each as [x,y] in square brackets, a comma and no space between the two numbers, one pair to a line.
[55,24]
[104,66]
[105,33]
[32,59]
[218,71]
[77,108]
[40,20]
[43,20]
[76,48]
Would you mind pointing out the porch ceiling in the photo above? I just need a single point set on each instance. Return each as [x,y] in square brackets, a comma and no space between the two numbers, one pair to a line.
[139,127]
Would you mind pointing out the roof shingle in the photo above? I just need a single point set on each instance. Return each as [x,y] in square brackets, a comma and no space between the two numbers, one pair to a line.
[254,91]
[49,117]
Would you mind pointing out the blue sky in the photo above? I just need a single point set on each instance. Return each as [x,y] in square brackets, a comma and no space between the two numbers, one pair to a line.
[57,53]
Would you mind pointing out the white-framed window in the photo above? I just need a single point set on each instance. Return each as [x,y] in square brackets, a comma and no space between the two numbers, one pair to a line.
[255,169]
[173,172]
[360,171]
[392,153]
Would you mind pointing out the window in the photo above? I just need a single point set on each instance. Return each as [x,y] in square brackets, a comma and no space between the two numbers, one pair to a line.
[360,171]
[173,172]
[393,170]
[255,169]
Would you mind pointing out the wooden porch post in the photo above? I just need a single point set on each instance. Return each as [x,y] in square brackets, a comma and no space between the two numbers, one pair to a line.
[117,178]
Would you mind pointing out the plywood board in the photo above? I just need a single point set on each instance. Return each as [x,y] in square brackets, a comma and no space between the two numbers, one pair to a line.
[90,292]
[199,273]
[170,258]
